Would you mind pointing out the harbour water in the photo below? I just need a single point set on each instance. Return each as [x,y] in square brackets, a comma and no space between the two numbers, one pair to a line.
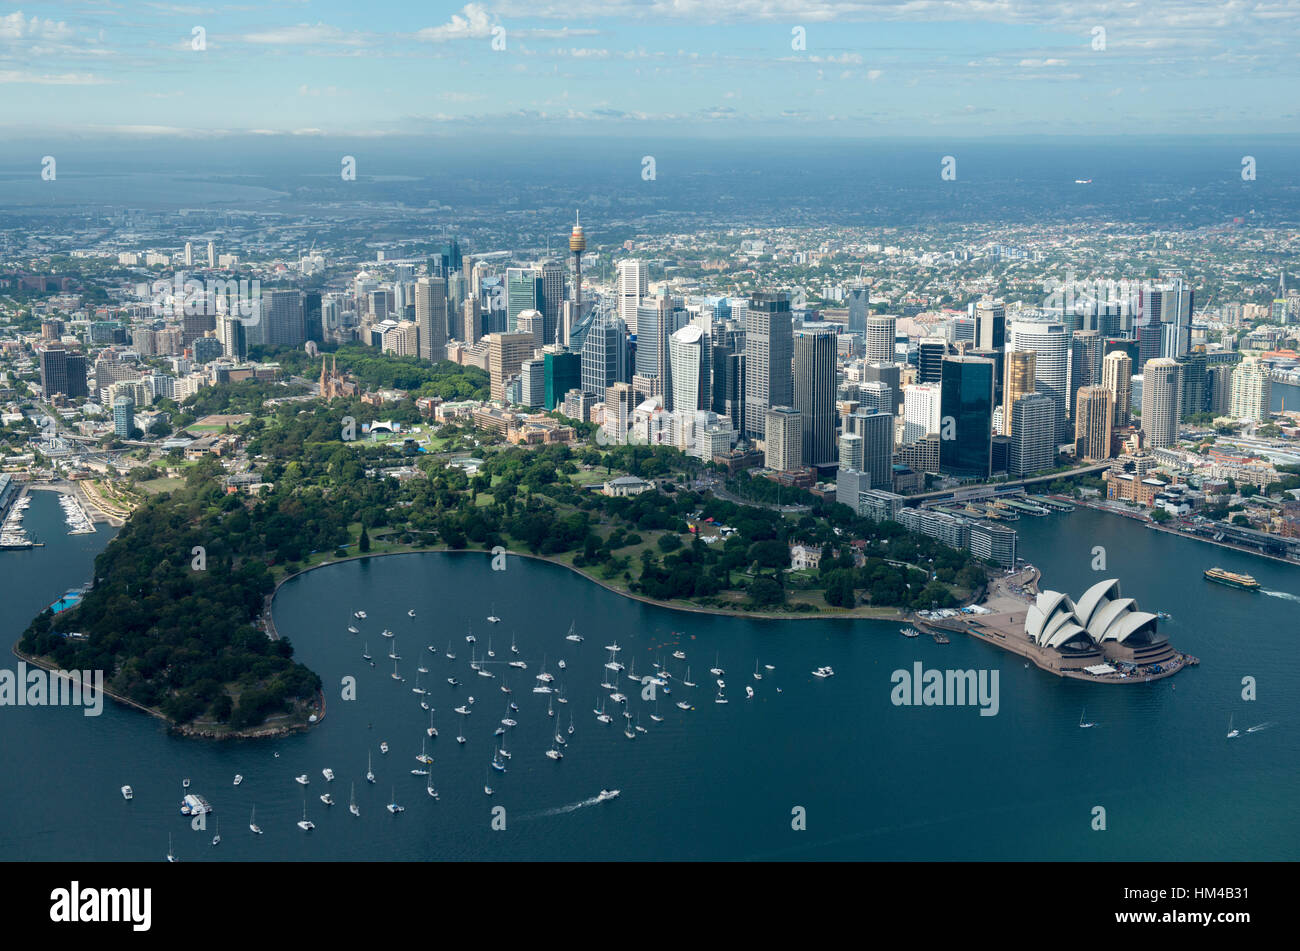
[877,781]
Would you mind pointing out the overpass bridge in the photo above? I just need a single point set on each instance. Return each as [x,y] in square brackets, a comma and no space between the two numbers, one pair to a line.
[975,493]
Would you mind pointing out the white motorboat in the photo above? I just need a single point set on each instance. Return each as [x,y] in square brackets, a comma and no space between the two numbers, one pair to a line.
[327,799]
[303,780]
[328,774]
[128,793]
[749,693]
[238,779]
[679,655]
[607,794]
[383,746]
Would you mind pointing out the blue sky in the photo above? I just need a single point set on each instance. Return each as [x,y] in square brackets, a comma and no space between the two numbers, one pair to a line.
[681,67]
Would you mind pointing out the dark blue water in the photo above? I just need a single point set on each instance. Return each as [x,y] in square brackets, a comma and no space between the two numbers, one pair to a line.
[718,782]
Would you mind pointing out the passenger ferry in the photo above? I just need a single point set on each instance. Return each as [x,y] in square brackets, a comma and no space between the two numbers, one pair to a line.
[1232,579]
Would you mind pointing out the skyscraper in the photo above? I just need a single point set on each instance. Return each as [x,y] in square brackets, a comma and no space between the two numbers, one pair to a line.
[123,416]
[604,353]
[877,433]
[929,362]
[891,375]
[769,354]
[633,284]
[783,449]
[1195,372]
[1093,417]
[284,316]
[1116,376]
[63,371]
[563,372]
[1252,391]
[1051,342]
[1085,362]
[921,415]
[1160,402]
[1032,447]
[966,417]
[552,299]
[1019,383]
[234,342]
[880,339]
[653,317]
[814,394]
[431,317]
[859,299]
[990,325]
[523,292]
[688,372]
[506,354]
[851,455]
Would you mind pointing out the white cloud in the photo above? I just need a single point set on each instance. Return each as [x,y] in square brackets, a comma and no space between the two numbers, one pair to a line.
[15,26]
[476,23]
[305,34]
[51,79]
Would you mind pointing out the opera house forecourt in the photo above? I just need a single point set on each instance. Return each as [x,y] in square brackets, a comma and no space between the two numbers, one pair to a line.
[1103,636]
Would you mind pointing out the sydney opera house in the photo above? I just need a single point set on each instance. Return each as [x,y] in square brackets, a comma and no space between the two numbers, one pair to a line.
[1102,624]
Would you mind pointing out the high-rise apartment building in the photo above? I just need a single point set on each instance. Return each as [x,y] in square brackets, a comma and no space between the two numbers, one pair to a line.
[881,331]
[1116,376]
[1094,417]
[1161,408]
[1252,391]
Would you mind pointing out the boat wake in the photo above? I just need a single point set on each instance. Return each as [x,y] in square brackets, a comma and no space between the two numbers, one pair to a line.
[1280,594]
[561,810]
[1262,726]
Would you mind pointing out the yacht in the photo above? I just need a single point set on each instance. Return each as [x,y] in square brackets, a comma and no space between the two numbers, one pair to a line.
[518,664]
[719,698]
[433,793]
[562,664]
[128,793]
[216,838]
[497,763]
[370,772]
[607,794]
[487,787]
[303,780]
[450,655]
[359,614]
[352,806]
[560,697]
[553,753]
[550,708]
[757,675]
[601,715]
[823,672]
[491,652]
[422,669]
[431,730]
[460,739]
[683,705]
[419,772]
[327,799]
[768,667]
[386,633]
[253,827]
[463,710]
[470,638]
[573,635]
[411,613]
[570,724]
[507,721]
[185,783]
[628,731]
[618,697]
[1232,731]
[328,774]
[305,824]
[171,856]
[492,618]
[393,807]
[613,647]
[352,630]
[687,682]
[716,669]
[639,727]
[514,648]
[396,675]
[392,651]
[749,693]
[544,677]
[365,651]
[679,655]
[485,673]
[383,747]
[1085,724]
[424,757]
[453,681]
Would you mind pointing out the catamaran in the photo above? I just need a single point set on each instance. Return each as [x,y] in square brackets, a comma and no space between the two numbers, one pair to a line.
[352,806]
[305,824]
[253,827]
[614,648]
[553,753]
[544,677]
[492,618]
[424,757]
[393,807]
[716,669]
[601,715]
[432,730]
[470,638]
[573,635]
[392,651]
